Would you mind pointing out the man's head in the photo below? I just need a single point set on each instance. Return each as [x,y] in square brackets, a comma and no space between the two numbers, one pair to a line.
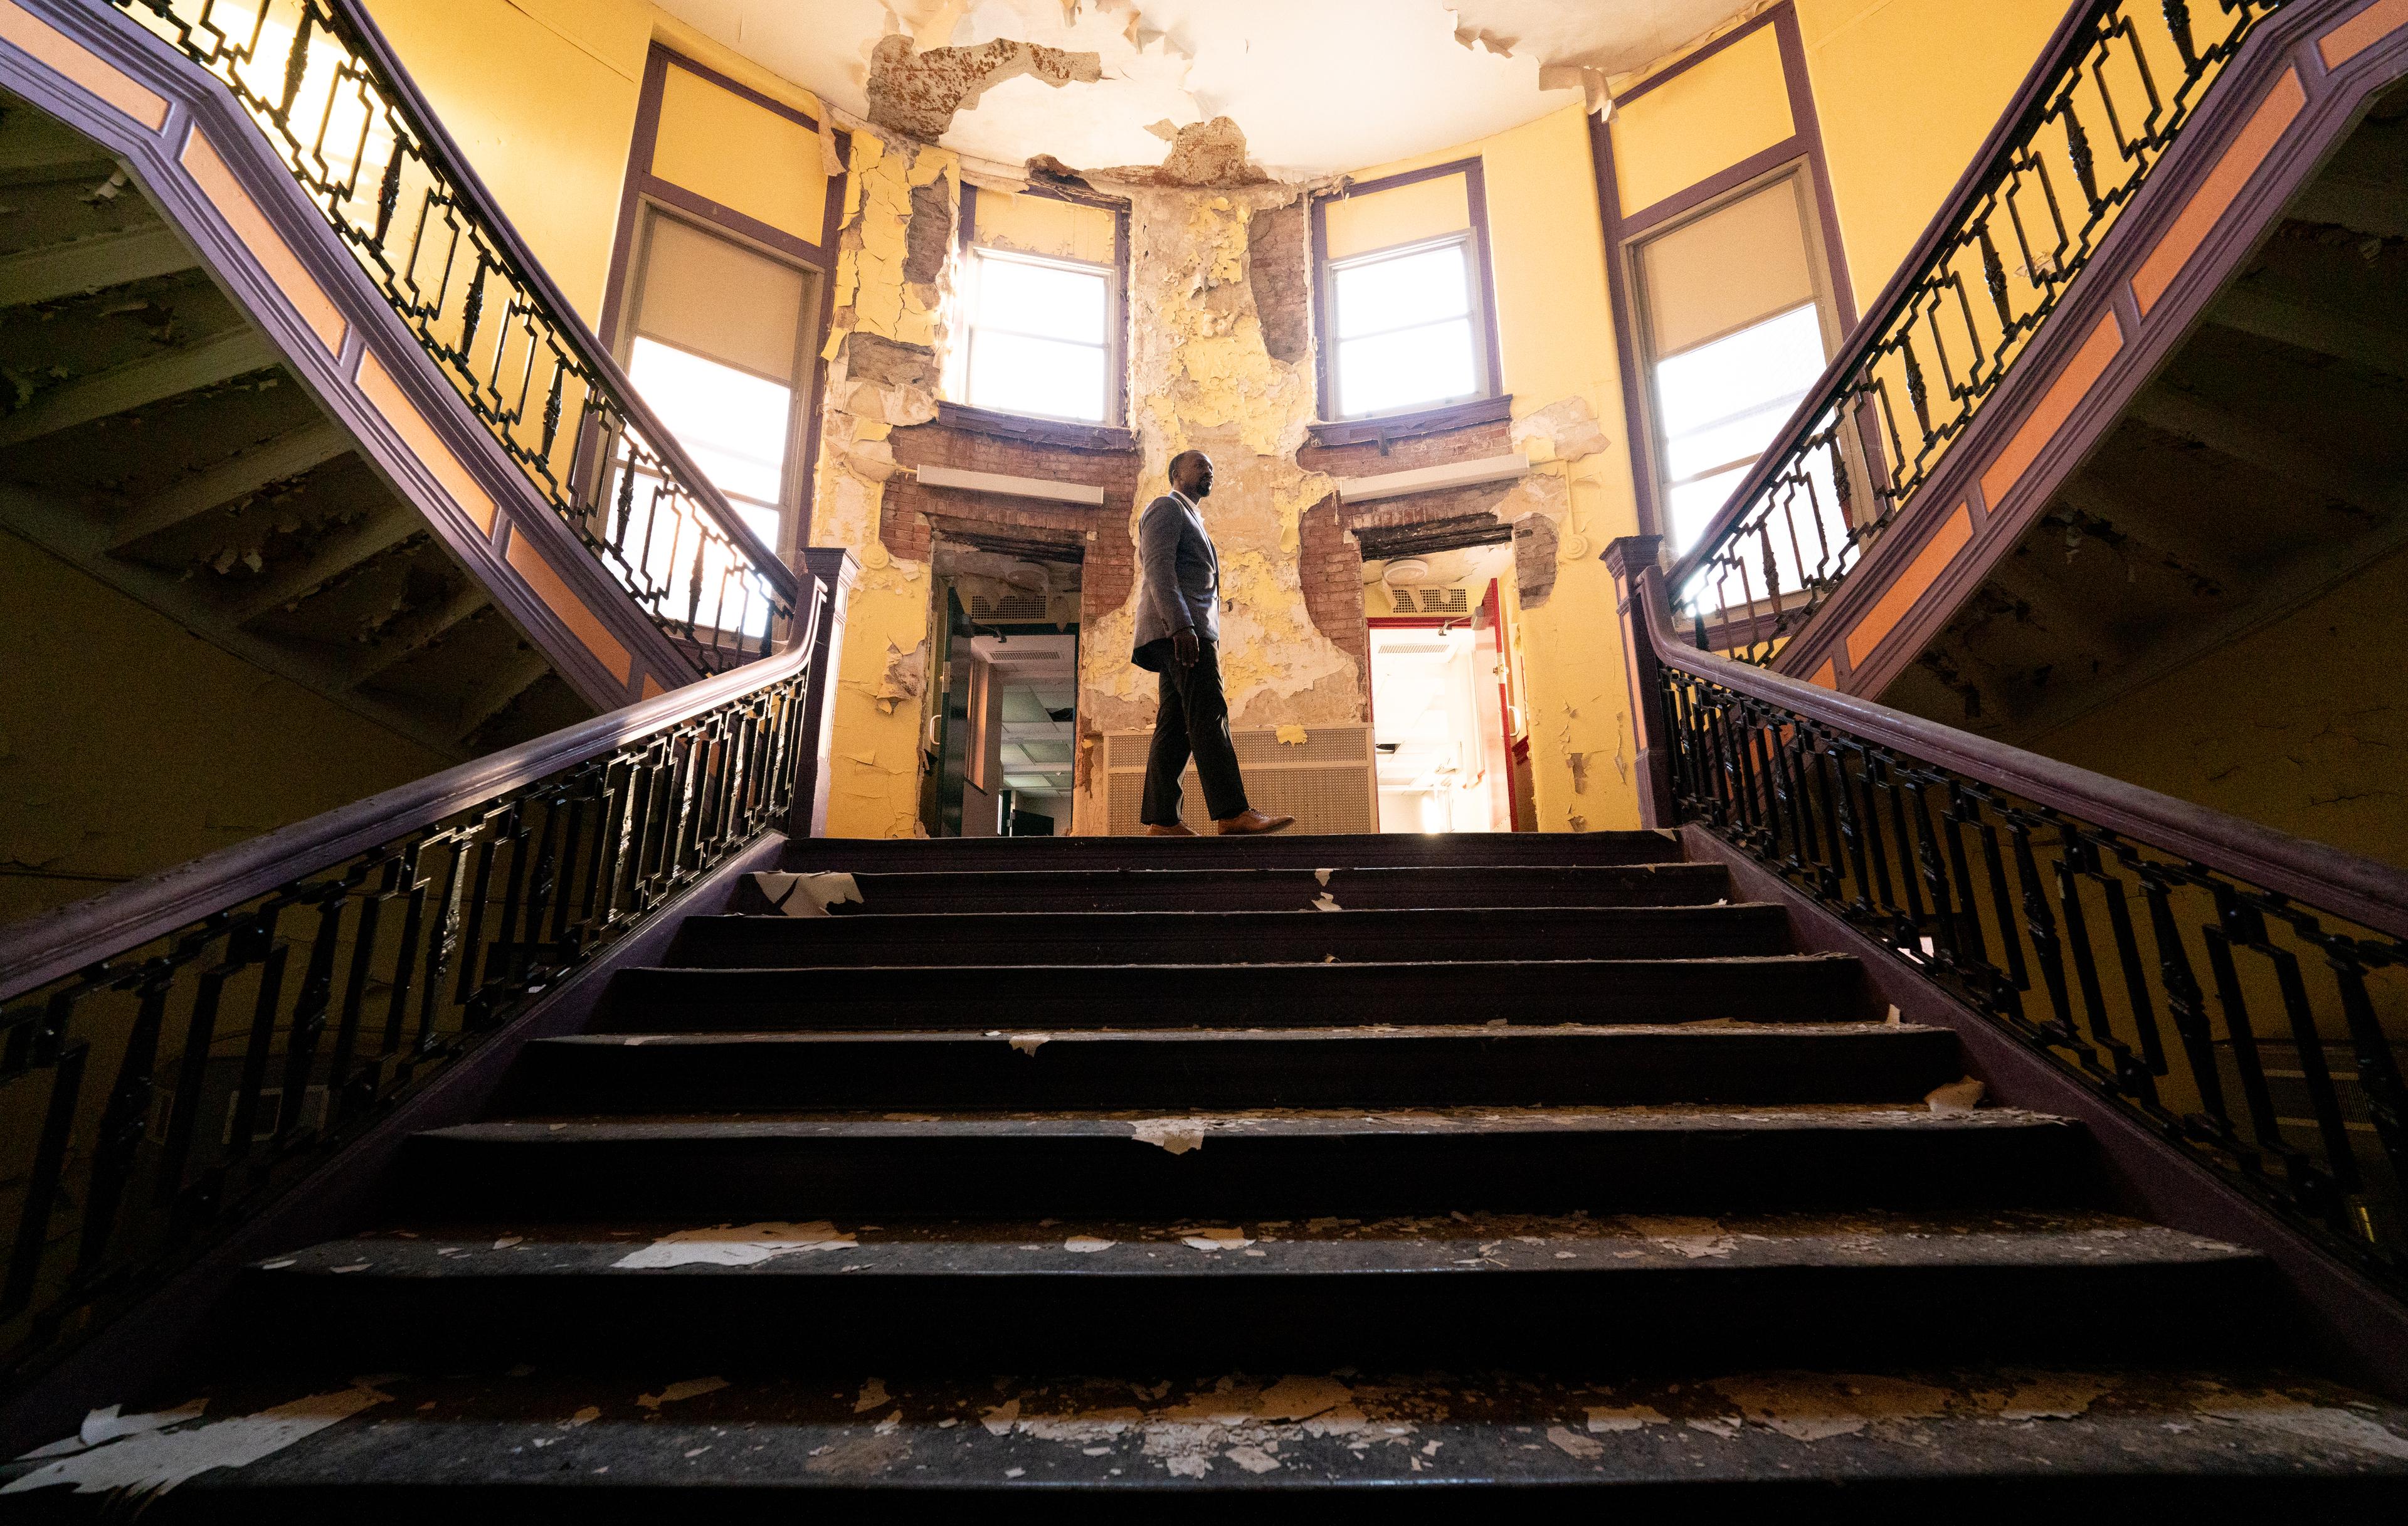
[1191,472]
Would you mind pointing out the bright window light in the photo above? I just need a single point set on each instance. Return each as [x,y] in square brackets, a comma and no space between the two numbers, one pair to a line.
[1720,405]
[1040,340]
[734,424]
[1403,321]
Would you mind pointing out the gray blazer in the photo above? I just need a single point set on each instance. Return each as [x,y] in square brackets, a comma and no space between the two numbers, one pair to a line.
[1177,574]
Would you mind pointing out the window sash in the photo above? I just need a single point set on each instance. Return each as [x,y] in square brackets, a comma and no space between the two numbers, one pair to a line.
[1475,314]
[1106,345]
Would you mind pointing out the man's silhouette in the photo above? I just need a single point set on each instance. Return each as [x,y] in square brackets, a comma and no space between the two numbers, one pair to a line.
[1179,635]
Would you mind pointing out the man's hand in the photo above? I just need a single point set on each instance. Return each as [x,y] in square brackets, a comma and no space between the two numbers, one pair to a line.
[1185,646]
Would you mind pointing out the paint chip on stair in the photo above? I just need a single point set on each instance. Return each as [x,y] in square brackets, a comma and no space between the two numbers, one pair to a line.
[807,895]
[1574,1444]
[1176,1135]
[150,1462]
[1216,1239]
[735,1245]
[1326,902]
[1321,876]
[692,1388]
[1087,1245]
[1028,1043]
[1957,1099]
[1604,1421]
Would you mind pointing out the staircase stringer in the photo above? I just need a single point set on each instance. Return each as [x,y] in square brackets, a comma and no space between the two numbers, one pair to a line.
[2278,111]
[204,168]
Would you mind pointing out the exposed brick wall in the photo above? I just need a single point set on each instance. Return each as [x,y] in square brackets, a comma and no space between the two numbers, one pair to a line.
[911,514]
[1331,569]
[1474,443]
[1279,267]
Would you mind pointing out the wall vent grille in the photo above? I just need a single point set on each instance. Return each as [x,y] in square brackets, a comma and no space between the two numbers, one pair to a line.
[1327,782]
[1017,607]
[1433,601]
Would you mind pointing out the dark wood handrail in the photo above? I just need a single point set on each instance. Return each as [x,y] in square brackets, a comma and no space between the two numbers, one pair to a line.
[57,942]
[2372,895]
[590,349]
[2023,114]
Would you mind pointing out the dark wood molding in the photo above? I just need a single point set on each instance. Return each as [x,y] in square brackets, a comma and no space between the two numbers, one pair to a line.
[1389,428]
[2356,1328]
[1475,194]
[1803,151]
[2285,42]
[1059,434]
[965,230]
[159,1339]
[641,185]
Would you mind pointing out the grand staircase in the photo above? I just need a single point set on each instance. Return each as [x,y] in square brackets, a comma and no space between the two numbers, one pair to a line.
[1294,1166]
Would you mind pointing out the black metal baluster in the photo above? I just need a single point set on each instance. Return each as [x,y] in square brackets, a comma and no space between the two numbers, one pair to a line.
[309,1019]
[122,1120]
[50,1049]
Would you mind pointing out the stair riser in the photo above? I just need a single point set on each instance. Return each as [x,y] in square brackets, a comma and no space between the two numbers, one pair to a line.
[1180,938]
[1233,996]
[1233,1177]
[1288,890]
[1694,1318]
[1232,1072]
[1285,851]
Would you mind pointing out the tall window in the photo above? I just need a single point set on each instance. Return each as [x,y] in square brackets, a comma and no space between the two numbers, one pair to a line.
[720,349]
[1736,333]
[1404,327]
[1038,339]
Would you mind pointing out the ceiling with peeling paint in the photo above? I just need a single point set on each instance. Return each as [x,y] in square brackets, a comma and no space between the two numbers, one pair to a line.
[1316,85]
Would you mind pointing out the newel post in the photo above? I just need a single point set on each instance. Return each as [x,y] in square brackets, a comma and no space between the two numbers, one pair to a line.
[829,572]
[1636,563]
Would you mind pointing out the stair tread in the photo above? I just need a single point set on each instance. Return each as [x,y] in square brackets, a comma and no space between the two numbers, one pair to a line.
[1926,1431]
[1260,1123]
[1704,1029]
[1452,1244]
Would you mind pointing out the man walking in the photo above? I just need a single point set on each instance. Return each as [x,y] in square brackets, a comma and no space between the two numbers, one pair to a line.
[1179,635]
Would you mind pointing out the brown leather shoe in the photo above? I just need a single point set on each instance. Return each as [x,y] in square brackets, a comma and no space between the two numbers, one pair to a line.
[1253,822]
[1175,830]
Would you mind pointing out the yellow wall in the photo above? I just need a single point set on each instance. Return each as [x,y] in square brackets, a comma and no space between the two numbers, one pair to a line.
[1556,337]
[2299,725]
[1905,91]
[93,681]
[1066,230]
[542,97]
[1402,214]
[774,173]
[1701,121]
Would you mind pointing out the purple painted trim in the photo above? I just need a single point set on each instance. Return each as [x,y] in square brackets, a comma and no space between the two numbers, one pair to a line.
[670,194]
[735,87]
[159,1339]
[1058,433]
[2360,1333]
[2376,895]
[1635,425]
[2105,286]
[1807,123]
[1757,165]
[1476,192]
[966,225]
[641,184]
[42,948]
[198,102]
[1689,61]
[1389,427]
[1802,147]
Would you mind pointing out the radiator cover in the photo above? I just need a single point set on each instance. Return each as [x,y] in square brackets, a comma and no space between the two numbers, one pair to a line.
[1327,782]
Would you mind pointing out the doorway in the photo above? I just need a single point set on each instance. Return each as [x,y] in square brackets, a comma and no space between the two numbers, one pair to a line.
[1439,723]
[1003,737]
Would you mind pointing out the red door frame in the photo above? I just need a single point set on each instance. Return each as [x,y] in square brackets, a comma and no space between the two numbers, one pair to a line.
[1493,606]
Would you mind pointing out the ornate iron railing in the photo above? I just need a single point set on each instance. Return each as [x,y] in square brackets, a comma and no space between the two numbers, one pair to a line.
[179,1051]
[345,119]
[2118,84]
[2242,993]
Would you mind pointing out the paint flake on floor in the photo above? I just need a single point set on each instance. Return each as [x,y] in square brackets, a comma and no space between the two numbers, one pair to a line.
[735,1245]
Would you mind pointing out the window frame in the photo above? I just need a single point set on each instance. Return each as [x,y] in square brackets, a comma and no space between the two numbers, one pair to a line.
[1116,312]
[803,386]
[1487,358]
[1476,314]
[1796,178]
[1114,345]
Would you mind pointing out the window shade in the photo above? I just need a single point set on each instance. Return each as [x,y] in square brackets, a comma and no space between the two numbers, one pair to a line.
[720,299]
[1727,270]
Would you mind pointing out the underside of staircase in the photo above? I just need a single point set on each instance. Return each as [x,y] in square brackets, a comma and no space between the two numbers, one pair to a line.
[1168,1172]
[152,437]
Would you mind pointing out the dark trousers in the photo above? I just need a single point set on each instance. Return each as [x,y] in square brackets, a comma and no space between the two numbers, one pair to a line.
[1193,717]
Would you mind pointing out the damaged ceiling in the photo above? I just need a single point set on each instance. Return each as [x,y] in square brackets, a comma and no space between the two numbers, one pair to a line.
[1316,86]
